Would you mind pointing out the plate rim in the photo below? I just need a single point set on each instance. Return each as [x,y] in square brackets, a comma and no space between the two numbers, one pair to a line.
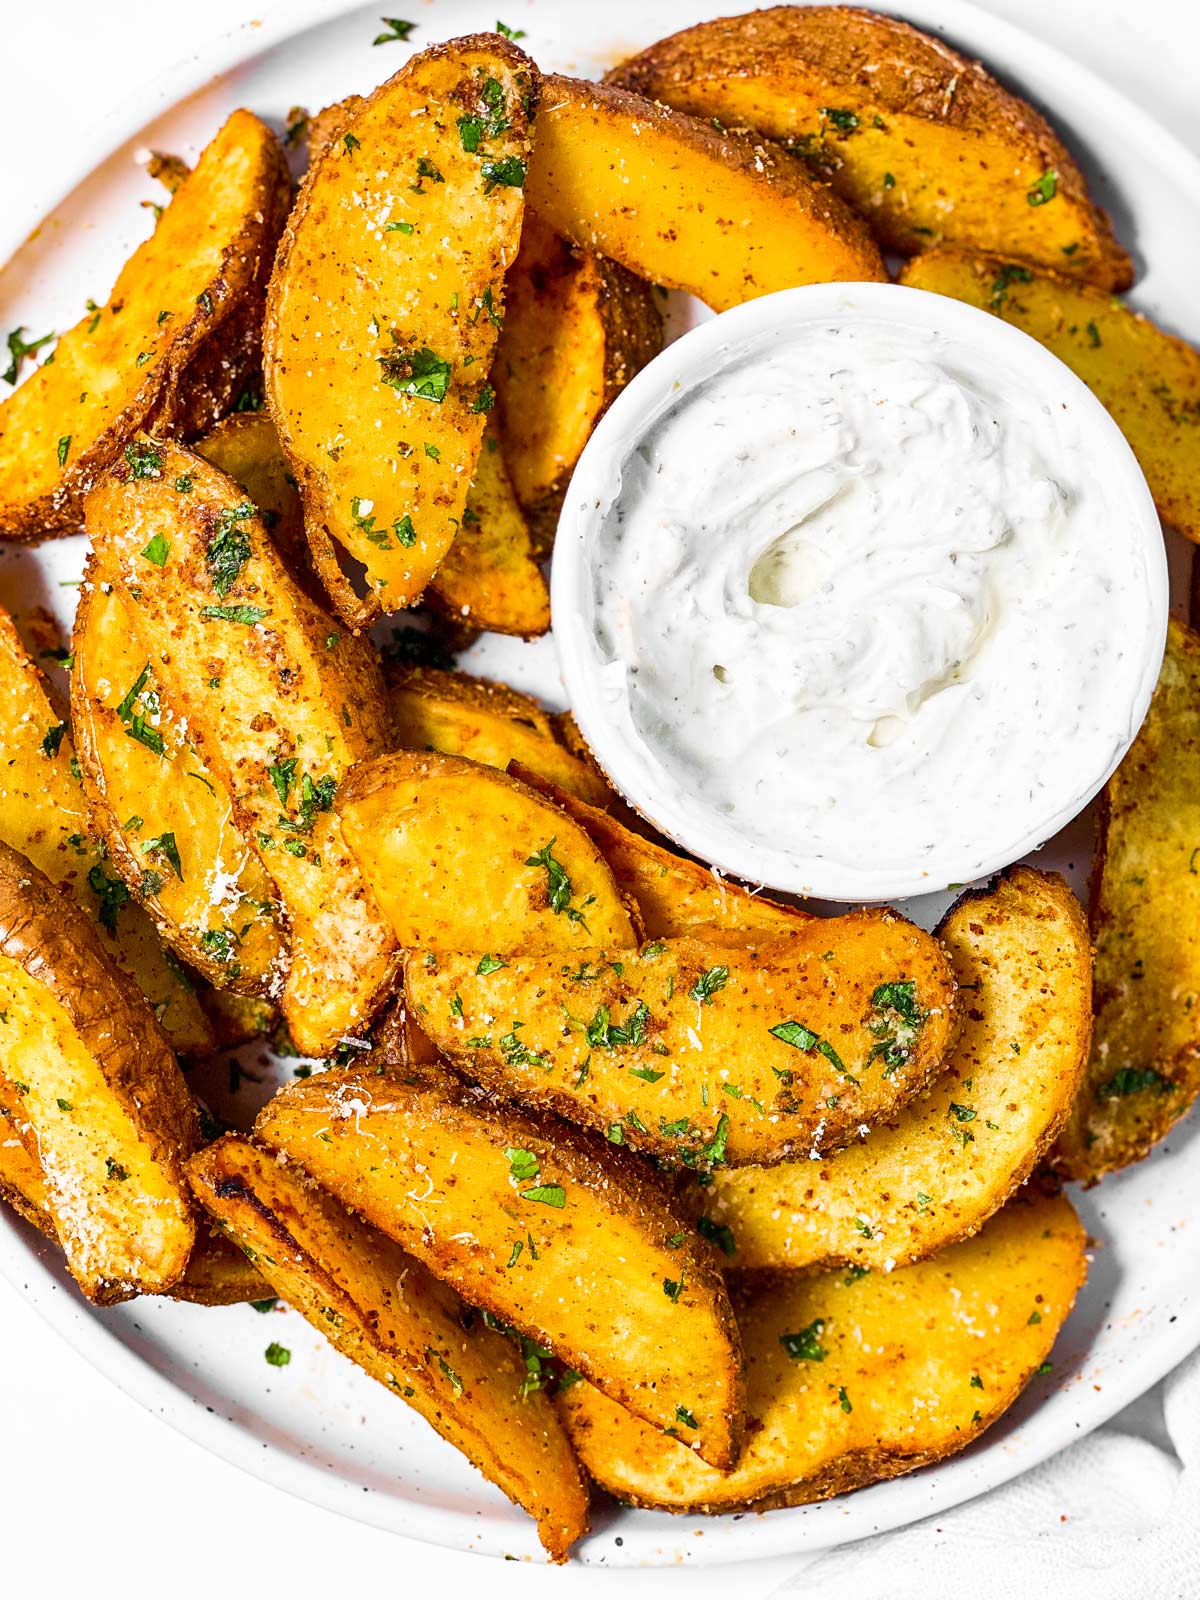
[23,1253]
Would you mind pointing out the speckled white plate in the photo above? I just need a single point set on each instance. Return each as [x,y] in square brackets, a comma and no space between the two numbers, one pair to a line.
[318,1427]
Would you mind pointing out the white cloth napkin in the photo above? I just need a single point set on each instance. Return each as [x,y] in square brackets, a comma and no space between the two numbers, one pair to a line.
[1115,1517]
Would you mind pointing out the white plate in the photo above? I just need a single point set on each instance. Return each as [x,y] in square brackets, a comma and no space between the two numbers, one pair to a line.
[318,1427]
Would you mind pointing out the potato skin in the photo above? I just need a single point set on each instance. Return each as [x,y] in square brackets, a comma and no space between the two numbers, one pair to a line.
[914,1365]
[677,203]
[208,255]
[1148,380]
[382,1310]
[676,1048]
[602,1271]
[920,140]
[935,1171]
[1144,1069]
[43,934]
[401,160]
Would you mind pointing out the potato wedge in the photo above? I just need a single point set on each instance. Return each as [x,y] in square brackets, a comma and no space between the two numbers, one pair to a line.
[919,139]
[678,203]
[165,819]
[489,578]
[573,1244]
[43,815]
[1144,1070]
[703,1053]
[411,1333]
[276,709]
[853,1380]
[1147,379]
[100,1098]
[940,1167]
[576,329]
[675,895]
[217,1273]
[71,419]
[485,722]
[462,856]
[377,353]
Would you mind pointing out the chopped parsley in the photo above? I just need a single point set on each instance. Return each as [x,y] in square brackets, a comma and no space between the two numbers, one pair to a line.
[421,374]
[844,1400]
[250,615]
[805,1345]
[674,1287]
[141,730]
[489,964]
[53,739]
[1008,274]
[718,1233]
[547,1194]
[1133,1080]
[604,1034]
[165,847]
[229,548]
[64,447]
[708,984]
[157,551]
[277,1355]
[844,121]
[1043,190]
[896,1024]
[19,349]
[112,895]
[682,1414]
[142,459]
[508,173]
[523,1165]
[795,1034]
[397,30]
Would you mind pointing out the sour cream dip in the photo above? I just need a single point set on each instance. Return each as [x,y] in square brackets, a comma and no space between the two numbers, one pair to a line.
[859,592]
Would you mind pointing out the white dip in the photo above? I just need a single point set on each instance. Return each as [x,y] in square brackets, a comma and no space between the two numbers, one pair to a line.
[858,598]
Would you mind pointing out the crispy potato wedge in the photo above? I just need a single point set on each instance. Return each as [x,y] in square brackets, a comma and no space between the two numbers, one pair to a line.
[377,354]
[935,1171]
[920,140]
[703,1053]
[393,1319]
[853,1380]
[218,1274]
[165,819]
[576,329]
[490,578]
[99,1099]
[328,123]
[572,1243]
[459,855]
[485,722]
[678,203]
[43,815]
[675,895]
[1144,1071]
[71,419]
[1147,379]
[276,709]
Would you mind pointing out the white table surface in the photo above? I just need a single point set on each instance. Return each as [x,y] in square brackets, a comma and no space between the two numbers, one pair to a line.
[97,1497]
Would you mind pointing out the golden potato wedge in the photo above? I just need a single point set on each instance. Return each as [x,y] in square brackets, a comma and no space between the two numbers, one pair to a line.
[677,202]
[1144,1070]
[920,140]
[1147,379]
[485,722]
[854,1379]
[675,895]
[703,1053]
[72,418]
[572,1243]
[489,578]
[276,709]
[43,815]
[99,1099]
[165,819]
[576,329]
[377,353]
[218,1274]
[936,1170]
[459,855]
[411,1333]
[325,127]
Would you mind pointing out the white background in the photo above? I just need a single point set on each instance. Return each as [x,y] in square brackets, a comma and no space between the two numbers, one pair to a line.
[96,1496]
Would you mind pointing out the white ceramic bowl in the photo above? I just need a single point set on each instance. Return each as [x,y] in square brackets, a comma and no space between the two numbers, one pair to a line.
[982,342]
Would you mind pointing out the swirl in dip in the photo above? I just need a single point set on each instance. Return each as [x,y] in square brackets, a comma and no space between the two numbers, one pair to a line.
[868,604]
